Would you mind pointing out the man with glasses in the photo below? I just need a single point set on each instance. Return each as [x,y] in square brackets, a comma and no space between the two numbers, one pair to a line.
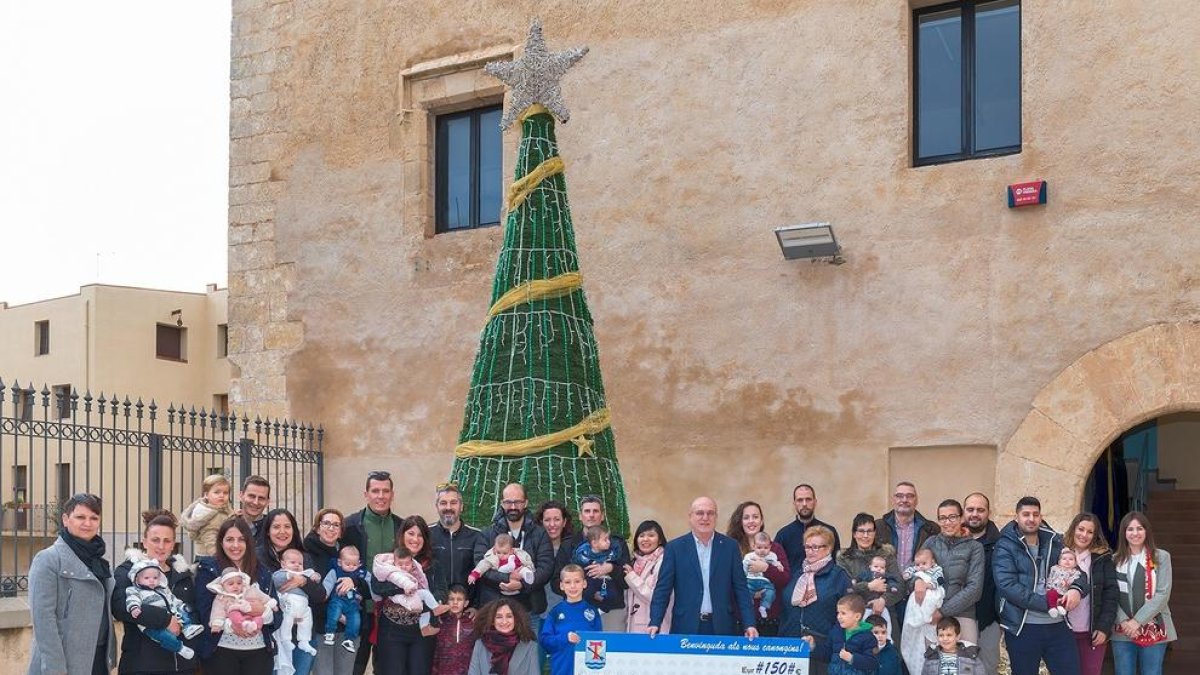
[373,530]
[791,536]
[515,519]
[713,602]
[591,512]
[454,542]
[254,498]
[979,523]
[962,560]
[905,529]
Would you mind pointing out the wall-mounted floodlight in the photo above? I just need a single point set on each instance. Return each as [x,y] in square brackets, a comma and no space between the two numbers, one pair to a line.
[810,240]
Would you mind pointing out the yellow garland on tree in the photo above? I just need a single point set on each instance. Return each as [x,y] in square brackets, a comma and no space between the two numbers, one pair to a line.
[519,190]
[538,289]
[592,424]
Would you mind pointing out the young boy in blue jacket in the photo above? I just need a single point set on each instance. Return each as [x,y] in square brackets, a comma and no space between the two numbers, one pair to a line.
[889,658]
[560,629]
[851,647]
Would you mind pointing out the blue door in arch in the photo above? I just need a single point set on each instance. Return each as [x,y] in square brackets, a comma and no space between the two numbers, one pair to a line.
[1118,482]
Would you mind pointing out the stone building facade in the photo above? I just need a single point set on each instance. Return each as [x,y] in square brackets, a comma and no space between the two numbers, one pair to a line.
[962,344]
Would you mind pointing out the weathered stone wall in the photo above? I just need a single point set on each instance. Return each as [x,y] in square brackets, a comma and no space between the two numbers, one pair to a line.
[694,132]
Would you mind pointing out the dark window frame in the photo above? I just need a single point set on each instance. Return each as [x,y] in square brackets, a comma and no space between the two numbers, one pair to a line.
[222,340]
[159,353]
[41,337]
[60,401]
[967,16]
[442,176]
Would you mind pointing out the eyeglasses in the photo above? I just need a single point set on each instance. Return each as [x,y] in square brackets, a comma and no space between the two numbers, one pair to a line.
[815,547]
[865,530]
[905,495]
[509,503]
[330,524]
[379,475]
[950,518]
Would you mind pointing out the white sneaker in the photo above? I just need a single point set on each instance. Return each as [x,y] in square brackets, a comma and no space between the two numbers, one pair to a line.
[192,631]
[187,652]
[329,638]
[348,645]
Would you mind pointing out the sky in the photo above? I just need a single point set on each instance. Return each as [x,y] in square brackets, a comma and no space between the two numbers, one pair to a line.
[114,145]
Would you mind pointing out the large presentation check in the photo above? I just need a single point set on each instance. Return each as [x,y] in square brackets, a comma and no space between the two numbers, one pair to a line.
[637,654]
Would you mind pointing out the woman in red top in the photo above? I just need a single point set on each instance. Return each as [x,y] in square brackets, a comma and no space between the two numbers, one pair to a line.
[745,522]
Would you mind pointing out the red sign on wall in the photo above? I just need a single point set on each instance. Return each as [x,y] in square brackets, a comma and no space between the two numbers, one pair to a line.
[1026,194]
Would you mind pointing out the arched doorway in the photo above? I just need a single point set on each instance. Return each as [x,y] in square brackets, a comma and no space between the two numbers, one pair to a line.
[1134,379]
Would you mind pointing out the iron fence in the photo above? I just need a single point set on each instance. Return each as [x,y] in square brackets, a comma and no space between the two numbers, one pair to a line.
[135,456]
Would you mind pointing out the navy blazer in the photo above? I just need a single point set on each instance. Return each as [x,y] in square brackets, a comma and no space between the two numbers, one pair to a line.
[680,574]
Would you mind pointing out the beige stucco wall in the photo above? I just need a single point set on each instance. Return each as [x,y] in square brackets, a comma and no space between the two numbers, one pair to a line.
[1178,446]
[694,132]
[103,340]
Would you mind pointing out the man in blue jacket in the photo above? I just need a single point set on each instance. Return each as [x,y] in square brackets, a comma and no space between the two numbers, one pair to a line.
[1024,554]
[703,569]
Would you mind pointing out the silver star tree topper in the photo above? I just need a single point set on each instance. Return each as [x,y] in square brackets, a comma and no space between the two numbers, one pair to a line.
[534,77]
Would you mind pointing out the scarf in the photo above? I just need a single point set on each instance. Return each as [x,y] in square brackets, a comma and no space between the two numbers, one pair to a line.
[90,553]
[501,647]
[805,592]
[641,562]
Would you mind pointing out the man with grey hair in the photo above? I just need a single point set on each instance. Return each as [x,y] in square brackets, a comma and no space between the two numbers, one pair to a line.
[454,542]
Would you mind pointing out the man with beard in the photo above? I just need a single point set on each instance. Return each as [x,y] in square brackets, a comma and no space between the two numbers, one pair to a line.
[591,513]
[791,536]
[979,523]
[514,519]
[1021,563]
[454,542]
[373,530]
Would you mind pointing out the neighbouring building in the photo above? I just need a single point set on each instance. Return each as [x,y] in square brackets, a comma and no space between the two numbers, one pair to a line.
[963,344]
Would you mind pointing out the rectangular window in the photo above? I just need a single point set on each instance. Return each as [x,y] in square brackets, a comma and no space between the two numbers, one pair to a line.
[220,406]
[61,400]
[20,493]
[967,93]
[468,169]
[171,343]
[41,338]
[23,405]
[62,483]
[222,340]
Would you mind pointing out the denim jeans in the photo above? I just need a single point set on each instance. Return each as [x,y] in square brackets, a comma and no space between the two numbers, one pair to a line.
[1053,642]
[302,661]
[340,606]
[165,639]
[767,588]
[1130,659]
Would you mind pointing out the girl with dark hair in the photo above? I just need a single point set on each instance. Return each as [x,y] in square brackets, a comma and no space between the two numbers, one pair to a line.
[507,645]
[281,533]
[140,654]
[642,576]
[234,650]
[745,522]
[1092,620]
[401,646]
[557,520]
[72,569]
[856,560]
[1144,625]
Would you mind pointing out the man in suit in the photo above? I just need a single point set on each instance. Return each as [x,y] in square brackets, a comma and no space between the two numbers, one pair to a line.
[703,569]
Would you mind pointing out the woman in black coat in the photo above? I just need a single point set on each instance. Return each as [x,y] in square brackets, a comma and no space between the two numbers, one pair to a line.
[1092,622]
[140,654]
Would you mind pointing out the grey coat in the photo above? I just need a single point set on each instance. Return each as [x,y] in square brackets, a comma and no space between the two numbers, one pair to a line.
[67,602]
[524,660]
[963,560]
[1155,606]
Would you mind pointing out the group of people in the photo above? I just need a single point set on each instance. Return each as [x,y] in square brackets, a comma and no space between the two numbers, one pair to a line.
[908,594]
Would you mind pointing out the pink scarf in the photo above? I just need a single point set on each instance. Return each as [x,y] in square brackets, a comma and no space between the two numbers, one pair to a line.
[805,592]
[641,562]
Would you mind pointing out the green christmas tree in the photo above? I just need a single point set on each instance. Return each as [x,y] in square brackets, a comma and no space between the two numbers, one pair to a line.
[536,411]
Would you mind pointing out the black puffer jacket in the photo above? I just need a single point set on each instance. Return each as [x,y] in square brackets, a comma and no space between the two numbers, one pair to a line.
[536,543]
[1105,592]
[140,654]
